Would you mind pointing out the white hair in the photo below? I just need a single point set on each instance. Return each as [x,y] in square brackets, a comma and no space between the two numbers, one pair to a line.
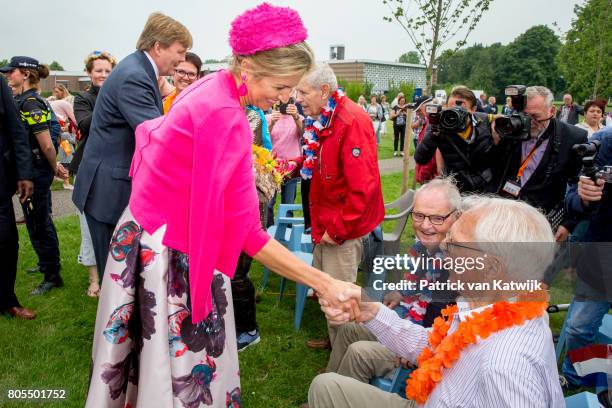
[516,232]
[446,184]
[322,74]
[534,91]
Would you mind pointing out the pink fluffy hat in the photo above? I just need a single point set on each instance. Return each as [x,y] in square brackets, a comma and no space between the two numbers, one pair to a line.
[266,27]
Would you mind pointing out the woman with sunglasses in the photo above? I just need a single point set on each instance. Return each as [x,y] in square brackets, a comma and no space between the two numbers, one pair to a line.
[185,74]
[98,66]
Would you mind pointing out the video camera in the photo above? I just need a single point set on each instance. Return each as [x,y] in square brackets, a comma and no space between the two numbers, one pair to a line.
[455,119]
[587,152]
[515,126]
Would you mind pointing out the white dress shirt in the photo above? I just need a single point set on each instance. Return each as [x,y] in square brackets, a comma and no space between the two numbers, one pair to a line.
[513,368]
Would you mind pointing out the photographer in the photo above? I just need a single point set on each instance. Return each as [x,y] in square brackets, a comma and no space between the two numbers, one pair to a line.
[591,200]
[285,125]
[464,143]
[535,162]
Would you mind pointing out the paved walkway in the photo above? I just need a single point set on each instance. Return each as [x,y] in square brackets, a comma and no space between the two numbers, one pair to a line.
[63,206]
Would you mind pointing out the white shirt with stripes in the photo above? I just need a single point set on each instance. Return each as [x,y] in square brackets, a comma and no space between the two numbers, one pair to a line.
[513,368]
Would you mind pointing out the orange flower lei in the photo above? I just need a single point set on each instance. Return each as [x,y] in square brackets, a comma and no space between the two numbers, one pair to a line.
[446,349]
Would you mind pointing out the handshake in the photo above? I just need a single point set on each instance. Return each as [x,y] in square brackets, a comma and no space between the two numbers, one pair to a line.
[347,303]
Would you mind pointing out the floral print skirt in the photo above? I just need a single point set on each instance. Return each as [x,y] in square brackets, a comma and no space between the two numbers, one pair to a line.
[147,352]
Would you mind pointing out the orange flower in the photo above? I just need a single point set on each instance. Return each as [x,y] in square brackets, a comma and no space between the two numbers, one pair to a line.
[447,348]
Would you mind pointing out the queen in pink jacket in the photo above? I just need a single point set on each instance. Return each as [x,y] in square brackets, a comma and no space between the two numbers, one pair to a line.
[165,334]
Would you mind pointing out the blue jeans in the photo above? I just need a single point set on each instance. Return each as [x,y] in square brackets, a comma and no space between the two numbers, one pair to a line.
[581,328]
[288,193]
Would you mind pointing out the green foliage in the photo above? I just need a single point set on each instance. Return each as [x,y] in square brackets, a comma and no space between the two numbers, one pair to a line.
[432,24]
[410,57]
[529,60]
[3,62]
[354,89]
[407,88]
[55,66]
[586,57]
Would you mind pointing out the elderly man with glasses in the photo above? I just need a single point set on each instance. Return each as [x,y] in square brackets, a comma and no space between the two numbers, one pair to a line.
[494,348]
[356,353]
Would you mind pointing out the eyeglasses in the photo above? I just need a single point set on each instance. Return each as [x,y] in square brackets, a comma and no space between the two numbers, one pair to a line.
[183,74]
[540,120]
[448,243]
[434,219]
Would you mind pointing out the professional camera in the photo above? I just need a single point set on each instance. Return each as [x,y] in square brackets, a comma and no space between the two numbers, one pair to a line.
[515,126]
[455,119]
[587,152]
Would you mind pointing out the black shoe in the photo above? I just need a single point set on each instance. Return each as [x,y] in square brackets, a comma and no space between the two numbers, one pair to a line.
[46,286]
[33,270]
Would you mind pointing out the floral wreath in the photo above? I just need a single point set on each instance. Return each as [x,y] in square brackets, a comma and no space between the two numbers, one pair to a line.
[446,349]
[312,132]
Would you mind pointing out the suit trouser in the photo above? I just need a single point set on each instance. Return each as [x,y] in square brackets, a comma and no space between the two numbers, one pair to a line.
[356,353]
[9,248]
[101,235]
[340,262]
[41,229]
[331,390]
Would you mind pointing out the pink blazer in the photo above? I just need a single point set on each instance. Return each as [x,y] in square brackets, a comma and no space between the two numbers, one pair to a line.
[193,171]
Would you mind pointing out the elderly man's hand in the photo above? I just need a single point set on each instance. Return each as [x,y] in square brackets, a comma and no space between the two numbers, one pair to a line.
[336,316]
[341,308]
[327,240]
[392,299]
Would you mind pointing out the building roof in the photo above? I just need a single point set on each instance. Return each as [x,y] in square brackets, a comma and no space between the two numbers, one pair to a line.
[369,61]
[68,73]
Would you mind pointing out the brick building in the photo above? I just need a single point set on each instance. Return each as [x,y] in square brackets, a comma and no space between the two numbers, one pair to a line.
[76,81]
[379,73]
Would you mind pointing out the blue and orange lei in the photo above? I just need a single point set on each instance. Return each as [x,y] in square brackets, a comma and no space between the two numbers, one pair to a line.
[312,131]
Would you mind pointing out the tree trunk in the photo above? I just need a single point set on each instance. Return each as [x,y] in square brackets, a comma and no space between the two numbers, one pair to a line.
[434,49]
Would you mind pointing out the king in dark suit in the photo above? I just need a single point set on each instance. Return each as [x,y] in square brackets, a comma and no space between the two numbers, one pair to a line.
[129,97]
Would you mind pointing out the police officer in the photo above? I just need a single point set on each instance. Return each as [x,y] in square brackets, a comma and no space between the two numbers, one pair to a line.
[24,74]
[16,173]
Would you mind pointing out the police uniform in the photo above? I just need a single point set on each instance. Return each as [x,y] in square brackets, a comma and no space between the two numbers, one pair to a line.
[36,116]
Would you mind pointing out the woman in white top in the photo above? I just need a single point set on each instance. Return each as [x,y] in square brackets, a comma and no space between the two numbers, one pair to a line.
[593,113]
[376,114]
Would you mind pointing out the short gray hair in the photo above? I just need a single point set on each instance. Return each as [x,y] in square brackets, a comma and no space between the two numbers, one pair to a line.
[501,224]
[449,186]
[534,91]
[322,74]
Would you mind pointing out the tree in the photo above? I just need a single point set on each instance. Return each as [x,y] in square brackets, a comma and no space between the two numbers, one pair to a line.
[410,57]
[431,24]
[3,62]
[586,56]
[531,58]
[55,66]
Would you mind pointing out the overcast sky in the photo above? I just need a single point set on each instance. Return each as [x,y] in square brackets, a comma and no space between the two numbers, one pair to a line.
[67,30]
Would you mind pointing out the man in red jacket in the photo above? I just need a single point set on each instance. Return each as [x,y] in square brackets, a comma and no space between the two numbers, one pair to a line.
[345,195]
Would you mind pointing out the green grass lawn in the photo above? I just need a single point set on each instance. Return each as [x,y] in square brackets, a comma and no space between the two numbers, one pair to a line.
[385,149]
[53,351]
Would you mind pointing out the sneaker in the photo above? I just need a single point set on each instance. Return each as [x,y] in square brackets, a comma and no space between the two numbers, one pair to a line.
[248,339]
[394,154]
[45,287]
[402,154]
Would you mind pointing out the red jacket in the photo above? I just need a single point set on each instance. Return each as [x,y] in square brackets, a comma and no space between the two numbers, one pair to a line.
[345,194]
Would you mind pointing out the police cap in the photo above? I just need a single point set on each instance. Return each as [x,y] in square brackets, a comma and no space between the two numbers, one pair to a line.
[20,62]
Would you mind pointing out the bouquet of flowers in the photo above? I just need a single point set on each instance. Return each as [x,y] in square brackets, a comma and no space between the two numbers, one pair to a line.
[270,172]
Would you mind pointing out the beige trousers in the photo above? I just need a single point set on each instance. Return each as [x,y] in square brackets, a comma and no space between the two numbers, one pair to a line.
[340,262]
[357,354]
[333,390]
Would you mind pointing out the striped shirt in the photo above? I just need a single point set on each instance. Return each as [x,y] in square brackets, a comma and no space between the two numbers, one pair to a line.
[513,368]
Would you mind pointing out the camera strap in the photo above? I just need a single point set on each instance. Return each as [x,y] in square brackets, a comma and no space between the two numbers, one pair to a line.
[521,169]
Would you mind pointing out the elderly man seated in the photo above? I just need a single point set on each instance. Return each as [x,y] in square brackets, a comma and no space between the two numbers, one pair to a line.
[494,348]
[356,353]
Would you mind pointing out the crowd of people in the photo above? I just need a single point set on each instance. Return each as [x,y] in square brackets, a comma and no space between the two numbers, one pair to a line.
[176,303]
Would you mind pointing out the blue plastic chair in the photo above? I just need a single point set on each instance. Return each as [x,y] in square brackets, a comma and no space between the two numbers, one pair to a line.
[395,384]
[301,291]
[582,400]
[281,231]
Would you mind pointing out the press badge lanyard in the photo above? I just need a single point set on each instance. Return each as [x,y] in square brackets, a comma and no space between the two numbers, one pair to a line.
[513,187]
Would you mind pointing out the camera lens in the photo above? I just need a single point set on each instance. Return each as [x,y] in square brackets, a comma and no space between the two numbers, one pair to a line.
[449,119]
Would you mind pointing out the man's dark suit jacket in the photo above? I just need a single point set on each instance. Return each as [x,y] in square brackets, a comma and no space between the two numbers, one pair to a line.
[15,154]
[546,187]
[129,96]
[572,116]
